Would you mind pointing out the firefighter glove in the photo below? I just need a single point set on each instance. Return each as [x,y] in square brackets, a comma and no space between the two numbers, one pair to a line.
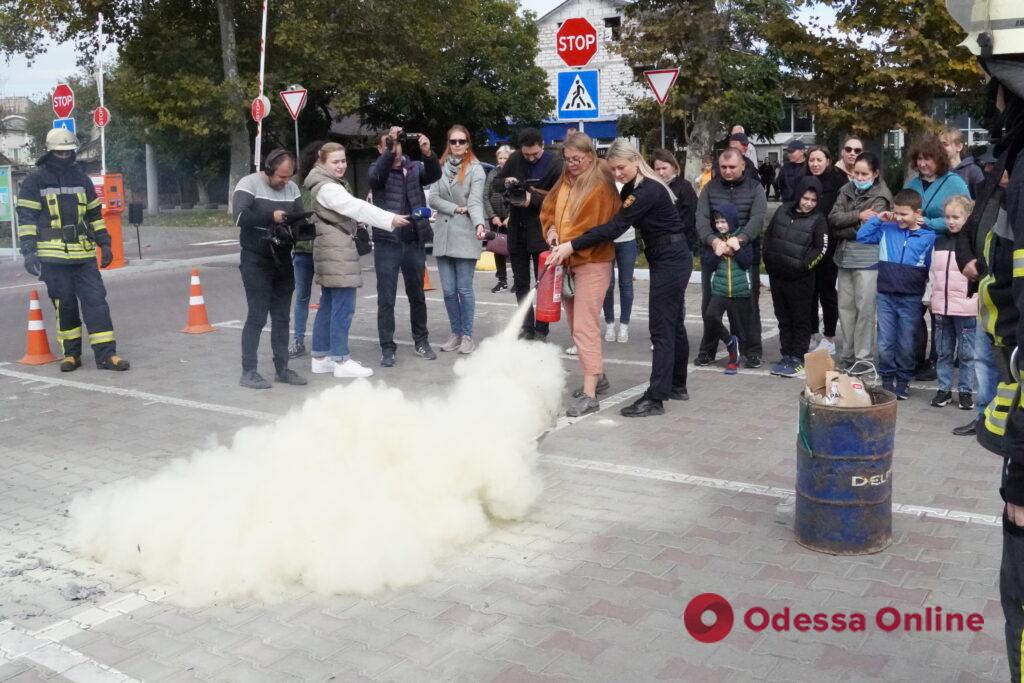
[33,264]
[107,256]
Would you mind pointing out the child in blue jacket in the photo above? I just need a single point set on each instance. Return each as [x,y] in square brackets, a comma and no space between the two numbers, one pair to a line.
[904,257]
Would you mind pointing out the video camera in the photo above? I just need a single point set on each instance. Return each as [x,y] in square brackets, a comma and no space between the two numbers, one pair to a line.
[515,190]
[296,228]
[404,136]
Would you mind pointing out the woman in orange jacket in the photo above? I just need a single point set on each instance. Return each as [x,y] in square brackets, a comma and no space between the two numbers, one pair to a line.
[583,197]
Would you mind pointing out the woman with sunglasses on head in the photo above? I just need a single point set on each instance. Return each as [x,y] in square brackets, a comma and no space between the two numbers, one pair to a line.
[819,165]
[649,205]
[584,196]
[458,198]
[852,148]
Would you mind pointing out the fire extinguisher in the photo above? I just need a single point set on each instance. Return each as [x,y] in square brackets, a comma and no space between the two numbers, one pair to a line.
[549,291]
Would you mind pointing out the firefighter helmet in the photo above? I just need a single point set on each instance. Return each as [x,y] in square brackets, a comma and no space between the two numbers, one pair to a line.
[61,140]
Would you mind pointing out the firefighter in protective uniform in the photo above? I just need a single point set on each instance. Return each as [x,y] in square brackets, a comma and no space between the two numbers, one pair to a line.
[60,226]
[996,35]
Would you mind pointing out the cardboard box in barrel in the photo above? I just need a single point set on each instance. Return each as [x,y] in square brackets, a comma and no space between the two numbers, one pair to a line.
[828,387]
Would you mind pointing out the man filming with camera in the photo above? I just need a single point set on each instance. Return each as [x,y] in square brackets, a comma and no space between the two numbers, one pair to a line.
[269,213]
[528,175]
[397,183]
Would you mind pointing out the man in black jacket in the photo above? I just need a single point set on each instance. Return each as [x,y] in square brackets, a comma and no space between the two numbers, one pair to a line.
[397,183]
[734,187]
[526,178]
[793,171]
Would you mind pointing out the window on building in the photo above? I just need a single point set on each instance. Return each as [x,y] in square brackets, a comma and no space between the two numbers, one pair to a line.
[614,24]
[786,122]
[803,122]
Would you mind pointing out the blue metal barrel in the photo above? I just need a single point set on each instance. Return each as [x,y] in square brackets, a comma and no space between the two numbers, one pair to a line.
[844,476]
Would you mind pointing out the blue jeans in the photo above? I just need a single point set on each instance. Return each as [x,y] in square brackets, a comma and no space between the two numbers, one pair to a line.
[985,371]
[332,322]
[625,261]
[954,337]
[303,264]
[391,257]
[457,284]
[897,332]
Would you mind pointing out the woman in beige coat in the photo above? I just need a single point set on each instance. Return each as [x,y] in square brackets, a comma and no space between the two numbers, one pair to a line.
[336,259]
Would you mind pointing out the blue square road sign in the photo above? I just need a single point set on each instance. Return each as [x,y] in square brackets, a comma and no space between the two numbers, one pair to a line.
[578,95]
[68,123]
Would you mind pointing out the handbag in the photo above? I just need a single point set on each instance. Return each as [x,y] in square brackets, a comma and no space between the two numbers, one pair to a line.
[362,238]
[568,283]
[498,245]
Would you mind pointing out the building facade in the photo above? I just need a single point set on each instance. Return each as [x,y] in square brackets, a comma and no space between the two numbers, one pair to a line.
[15,142]
[616,77]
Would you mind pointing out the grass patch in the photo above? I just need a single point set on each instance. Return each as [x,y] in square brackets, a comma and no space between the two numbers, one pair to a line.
[192,219]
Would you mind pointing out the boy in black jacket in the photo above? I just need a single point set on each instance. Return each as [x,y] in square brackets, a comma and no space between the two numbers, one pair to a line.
[794,243]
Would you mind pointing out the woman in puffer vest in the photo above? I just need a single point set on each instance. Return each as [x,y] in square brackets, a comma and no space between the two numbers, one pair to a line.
[336,259]
[954,308]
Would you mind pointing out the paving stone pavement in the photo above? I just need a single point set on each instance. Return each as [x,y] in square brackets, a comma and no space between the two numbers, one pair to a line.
[636,518]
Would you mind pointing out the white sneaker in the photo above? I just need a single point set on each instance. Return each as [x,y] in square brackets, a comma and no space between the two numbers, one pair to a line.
[572,351]
[829,346]
[623,335]
[609,332]
[321,366]
[351,368]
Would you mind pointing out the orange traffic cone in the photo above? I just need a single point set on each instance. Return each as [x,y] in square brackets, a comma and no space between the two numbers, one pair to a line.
[427,287]
[197,320]
[37,345]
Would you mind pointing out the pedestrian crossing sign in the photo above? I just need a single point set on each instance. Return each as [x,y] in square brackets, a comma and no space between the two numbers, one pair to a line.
[578,95]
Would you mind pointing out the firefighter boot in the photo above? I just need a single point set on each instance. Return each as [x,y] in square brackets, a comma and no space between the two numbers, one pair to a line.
[70,363]
[113,363]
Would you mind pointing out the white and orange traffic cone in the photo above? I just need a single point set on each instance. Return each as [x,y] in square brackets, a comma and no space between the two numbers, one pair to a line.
[37,346]
[198,323]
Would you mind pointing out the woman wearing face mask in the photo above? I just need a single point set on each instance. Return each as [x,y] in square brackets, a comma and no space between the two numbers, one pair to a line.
[584,196]
[496,210]
[458,198]
[819,165]
[649,205]
[863,197]
[336,259]
[851,149]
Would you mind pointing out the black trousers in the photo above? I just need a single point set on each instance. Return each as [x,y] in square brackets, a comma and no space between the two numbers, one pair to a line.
[670,272]
[501,262]
[825,275]
[521,283]
[794,309]
[738,311]
[391,257]
[1011,594]
[750,343]
[268,290]
[74,285]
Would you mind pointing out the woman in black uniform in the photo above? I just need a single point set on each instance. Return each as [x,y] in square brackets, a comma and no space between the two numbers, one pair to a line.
[649,206]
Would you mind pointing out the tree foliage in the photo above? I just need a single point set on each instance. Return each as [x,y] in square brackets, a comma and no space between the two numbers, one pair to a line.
[881,70]
[728,73]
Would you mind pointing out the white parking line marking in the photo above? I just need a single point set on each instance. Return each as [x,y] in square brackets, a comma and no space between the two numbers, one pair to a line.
[755,489]
[137,395]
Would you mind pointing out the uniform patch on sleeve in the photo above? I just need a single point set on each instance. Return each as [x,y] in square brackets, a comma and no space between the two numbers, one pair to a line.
[629,201]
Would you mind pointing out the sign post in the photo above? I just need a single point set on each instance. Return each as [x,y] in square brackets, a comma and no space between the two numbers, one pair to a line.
[63,99]
[97,116]
[576,45]
[294,99]
[660,82]
[263,63]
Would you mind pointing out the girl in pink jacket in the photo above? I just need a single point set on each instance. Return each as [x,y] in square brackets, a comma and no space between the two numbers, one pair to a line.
[956,312]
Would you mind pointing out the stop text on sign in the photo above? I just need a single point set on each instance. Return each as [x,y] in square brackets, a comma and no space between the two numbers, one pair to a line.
[577,43]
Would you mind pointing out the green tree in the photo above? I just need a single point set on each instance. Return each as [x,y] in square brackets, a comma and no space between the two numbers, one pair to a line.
[881,69]
[728,73]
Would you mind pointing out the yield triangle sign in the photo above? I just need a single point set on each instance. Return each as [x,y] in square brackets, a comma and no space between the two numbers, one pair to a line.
[294,100]
[661,81]
[578,98]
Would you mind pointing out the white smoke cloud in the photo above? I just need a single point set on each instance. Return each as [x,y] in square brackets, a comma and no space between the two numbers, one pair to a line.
[359,490]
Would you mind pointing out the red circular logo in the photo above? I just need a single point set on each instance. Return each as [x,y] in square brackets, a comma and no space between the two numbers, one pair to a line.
[695,610]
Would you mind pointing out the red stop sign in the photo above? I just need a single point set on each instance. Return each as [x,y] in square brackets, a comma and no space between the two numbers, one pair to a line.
[63,101]
[260,108]
[576,41]
[101,116]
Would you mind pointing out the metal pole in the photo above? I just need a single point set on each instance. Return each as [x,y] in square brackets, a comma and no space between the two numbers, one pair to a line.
[263,63]
[138,240]
[14,226]
[663,127]
[152,186]
[297,159]
[99,90]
